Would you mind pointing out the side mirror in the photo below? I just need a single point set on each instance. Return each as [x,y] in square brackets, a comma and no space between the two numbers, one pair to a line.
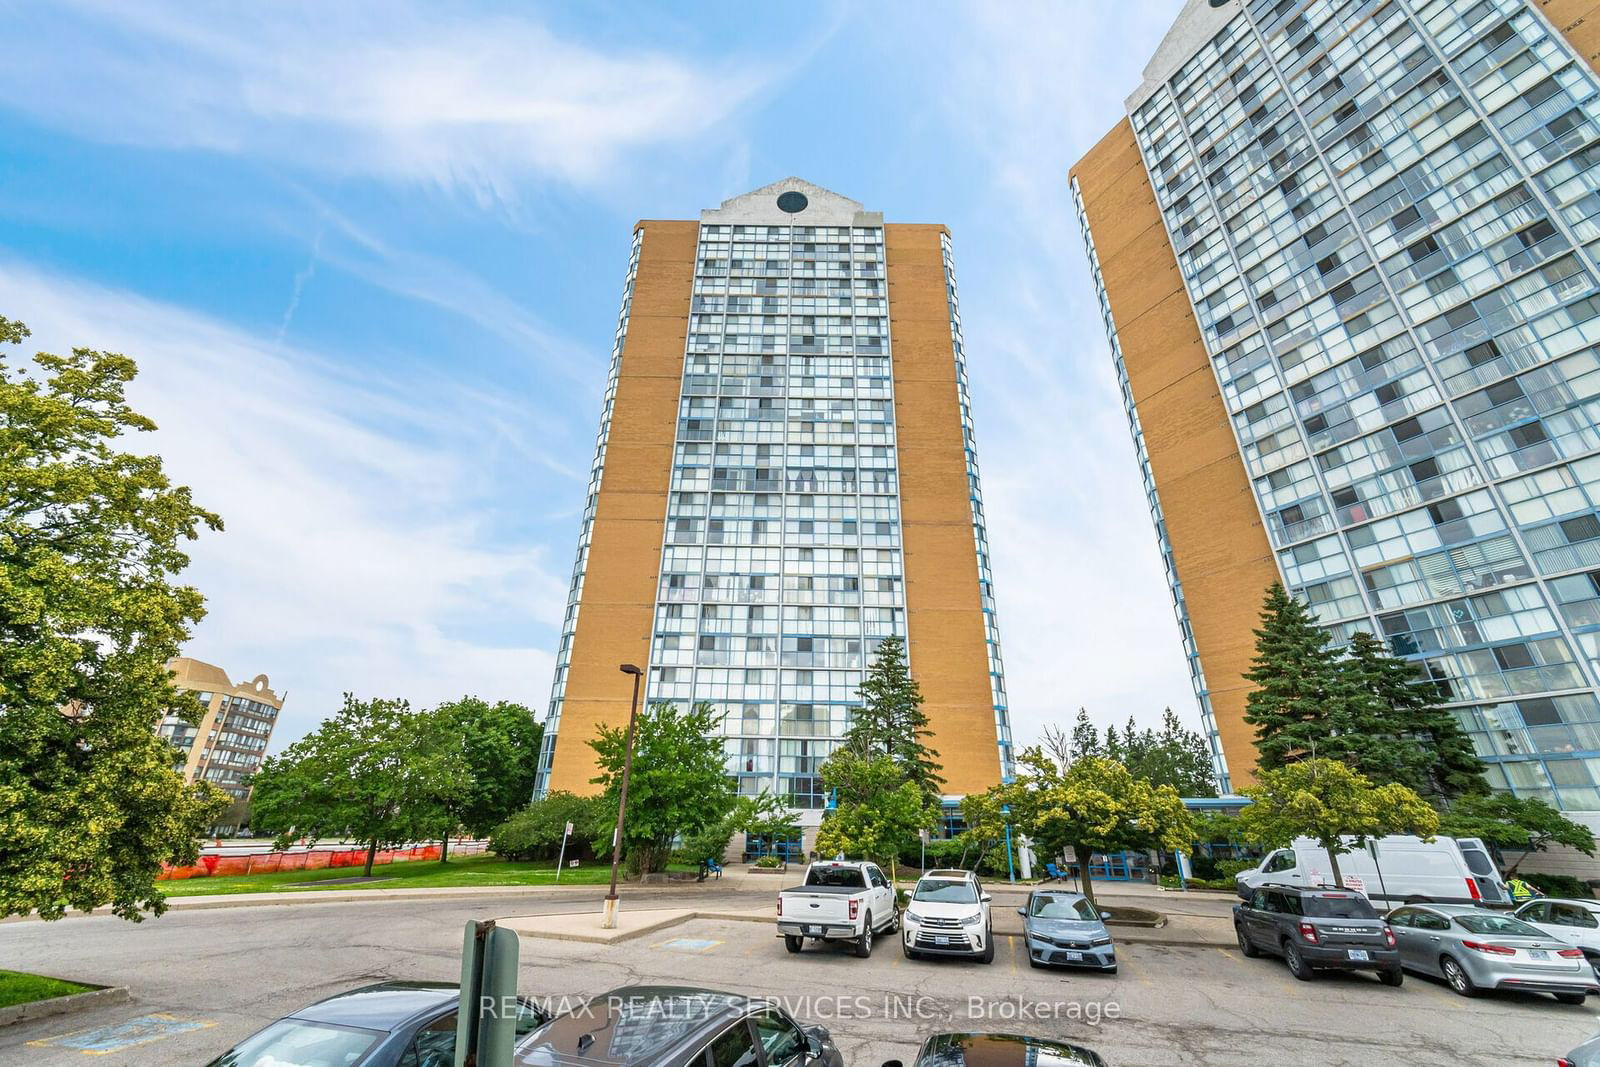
[816,1040]
[1022,911]
[987,898]
[1105,915]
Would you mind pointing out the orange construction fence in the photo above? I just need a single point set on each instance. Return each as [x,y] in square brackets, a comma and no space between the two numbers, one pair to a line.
[269,862]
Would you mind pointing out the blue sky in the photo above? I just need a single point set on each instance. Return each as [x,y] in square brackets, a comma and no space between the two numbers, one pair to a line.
[369,259]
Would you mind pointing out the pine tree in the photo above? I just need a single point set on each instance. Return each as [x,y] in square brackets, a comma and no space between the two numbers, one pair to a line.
[891,721]
[1398,732]
[1085,738]
[1298,688]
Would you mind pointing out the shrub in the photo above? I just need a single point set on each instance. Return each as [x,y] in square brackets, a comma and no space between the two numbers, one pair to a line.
[535,832]
[769,862]
[1559,885]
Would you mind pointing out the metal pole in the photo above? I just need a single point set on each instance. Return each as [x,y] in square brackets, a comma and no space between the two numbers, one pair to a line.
[563,857]
[609,920]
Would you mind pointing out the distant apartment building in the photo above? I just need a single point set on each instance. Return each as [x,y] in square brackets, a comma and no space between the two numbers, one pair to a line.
[1347,253]
[785,475]
[231,739]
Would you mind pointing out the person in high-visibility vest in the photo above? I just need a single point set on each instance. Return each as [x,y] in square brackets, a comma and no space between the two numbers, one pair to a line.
[1521,891]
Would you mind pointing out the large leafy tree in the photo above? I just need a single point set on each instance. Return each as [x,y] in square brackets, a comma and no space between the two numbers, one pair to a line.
[1525,824]
[891,720]
[679,783]
[90,612]
[1094,805]
[499,745]
[1296,681]
[879,813]
[1332,804]
[375,771]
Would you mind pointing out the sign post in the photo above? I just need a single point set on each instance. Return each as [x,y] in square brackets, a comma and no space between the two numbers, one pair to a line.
[923,834]
[563,857]
[486,1015]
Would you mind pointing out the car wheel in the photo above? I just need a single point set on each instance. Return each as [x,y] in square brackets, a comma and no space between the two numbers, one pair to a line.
[1570,998]
[988,947]
[1111,970]
[864,942]
[1392,976]
[793,943]
[1457,976]
[1297,964]
[910,955]
[1246,946]
[1035,964]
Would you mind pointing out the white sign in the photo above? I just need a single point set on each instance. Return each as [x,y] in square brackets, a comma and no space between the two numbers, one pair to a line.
[1356,882]
[569,829]
[572,863]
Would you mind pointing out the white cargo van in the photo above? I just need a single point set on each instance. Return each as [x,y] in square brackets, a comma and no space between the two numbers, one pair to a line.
[1390,870]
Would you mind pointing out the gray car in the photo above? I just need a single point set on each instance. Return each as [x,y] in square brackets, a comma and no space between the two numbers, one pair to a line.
[1064,928]
[1585,1055]
[1315,929]
[1476,950]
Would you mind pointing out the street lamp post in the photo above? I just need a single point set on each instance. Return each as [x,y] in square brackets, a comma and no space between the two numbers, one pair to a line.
[609,919]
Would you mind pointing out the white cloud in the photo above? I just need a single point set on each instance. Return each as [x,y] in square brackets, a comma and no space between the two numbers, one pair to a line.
[363,548]
[395,90]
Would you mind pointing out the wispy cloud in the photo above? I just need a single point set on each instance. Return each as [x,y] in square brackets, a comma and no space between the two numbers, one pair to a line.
[1084,612]
[395,90]
[367,542]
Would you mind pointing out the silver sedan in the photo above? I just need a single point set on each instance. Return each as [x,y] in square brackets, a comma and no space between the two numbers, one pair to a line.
[1476,950]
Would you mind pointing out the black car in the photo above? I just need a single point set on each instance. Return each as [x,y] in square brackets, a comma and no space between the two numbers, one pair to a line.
[672,1026]
[385,1025]
[1000,1050]
[1314,928]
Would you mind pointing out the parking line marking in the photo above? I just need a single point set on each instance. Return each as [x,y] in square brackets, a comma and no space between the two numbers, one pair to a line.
[102,1040]
[1013,960]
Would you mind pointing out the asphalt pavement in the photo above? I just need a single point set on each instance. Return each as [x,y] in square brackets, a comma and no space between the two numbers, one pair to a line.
[202,979]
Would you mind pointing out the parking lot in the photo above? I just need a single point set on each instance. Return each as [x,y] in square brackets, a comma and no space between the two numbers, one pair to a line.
[206,978]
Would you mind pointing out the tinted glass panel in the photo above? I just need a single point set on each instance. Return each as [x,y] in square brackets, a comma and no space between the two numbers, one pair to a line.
[1351,907]
[735,1048]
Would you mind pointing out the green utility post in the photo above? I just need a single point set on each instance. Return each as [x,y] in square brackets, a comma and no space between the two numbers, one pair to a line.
[486,1018]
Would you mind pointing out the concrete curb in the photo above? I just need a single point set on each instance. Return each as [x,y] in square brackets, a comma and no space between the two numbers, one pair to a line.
[42,1009]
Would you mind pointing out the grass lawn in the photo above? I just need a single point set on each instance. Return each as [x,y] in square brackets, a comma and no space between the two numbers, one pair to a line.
[19,988]
[412,874]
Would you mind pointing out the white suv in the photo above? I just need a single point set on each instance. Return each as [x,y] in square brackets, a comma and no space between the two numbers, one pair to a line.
[948,916]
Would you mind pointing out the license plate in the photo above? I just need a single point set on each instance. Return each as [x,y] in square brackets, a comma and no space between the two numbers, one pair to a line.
[1073,955]
[941,940]
[814,930]
[1539,953]
[1360,955]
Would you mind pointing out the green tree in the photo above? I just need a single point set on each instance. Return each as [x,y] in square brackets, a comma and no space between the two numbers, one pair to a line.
[764,816]
[1526,824]
[1095,805]
[880,811]
[1085,739]
[891,719]
[1397,731]
[374,771]
[1296,682]
[679,783]
[90,613]
[499,745]
[1335,806]
[536,831]
[1173,755]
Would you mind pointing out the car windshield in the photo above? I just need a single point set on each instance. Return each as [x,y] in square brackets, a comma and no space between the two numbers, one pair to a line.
[845,877]
[1339,907]
[293,1043]
[1062,908]
[1496,924]
[940,891]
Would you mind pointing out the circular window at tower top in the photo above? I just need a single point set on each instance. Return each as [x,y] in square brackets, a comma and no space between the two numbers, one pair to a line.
[792,202]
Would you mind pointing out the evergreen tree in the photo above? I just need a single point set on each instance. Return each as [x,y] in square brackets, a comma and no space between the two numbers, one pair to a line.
[1298,688]
[1397,730]
[1085,738]
[891,721]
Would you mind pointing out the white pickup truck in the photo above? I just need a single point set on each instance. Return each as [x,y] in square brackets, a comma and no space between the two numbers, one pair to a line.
[838,901]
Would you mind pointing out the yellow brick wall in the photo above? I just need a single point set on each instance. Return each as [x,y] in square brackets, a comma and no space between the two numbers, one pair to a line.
[1219,547]
[944,611]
